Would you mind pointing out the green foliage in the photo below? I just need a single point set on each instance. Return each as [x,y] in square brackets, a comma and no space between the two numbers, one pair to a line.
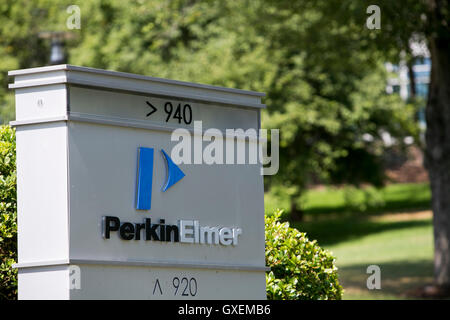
[300,268]
[361,200]
[348,199]
[8,213]
[328,94]
[325,85]
[20,44]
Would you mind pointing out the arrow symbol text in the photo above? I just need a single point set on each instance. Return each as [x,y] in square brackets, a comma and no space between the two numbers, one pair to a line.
[153,109]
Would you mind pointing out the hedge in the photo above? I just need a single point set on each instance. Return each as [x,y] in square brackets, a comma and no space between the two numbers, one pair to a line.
[8,213]
[300,268]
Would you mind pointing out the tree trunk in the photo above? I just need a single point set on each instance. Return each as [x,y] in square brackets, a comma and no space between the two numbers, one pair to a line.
[412,78]
[437,155]
[296,212]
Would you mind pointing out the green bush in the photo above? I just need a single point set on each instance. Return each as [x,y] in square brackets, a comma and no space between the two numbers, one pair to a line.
[300,268]
[363,199]
[8,213]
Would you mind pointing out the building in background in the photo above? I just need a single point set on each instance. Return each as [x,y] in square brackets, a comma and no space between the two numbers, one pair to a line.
[409,81]
[417,75]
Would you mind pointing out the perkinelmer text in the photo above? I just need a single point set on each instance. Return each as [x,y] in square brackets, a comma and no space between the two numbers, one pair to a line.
[186,231]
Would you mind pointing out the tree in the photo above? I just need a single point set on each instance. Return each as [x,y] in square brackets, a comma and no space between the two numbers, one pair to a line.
[320,67]
[437,154]
[310,66]
[403,22]
[328,92]
[20,44]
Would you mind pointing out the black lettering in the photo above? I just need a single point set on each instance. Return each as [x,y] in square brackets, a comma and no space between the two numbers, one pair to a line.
[138,228]
[172,229]
[150,230]
[162,230]
[110,224]
[127,231]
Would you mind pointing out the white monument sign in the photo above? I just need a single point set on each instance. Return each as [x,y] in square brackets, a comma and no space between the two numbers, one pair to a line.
[133,187]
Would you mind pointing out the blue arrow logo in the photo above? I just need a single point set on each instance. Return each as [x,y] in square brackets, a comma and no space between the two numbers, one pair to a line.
[145,176]
[174,173]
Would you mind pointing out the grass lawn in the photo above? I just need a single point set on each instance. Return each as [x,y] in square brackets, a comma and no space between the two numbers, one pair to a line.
[401,245]
[394,197]
[397,237]
[332,200]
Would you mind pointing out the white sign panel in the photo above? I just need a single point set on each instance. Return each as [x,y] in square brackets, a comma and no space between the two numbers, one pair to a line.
[133,187]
